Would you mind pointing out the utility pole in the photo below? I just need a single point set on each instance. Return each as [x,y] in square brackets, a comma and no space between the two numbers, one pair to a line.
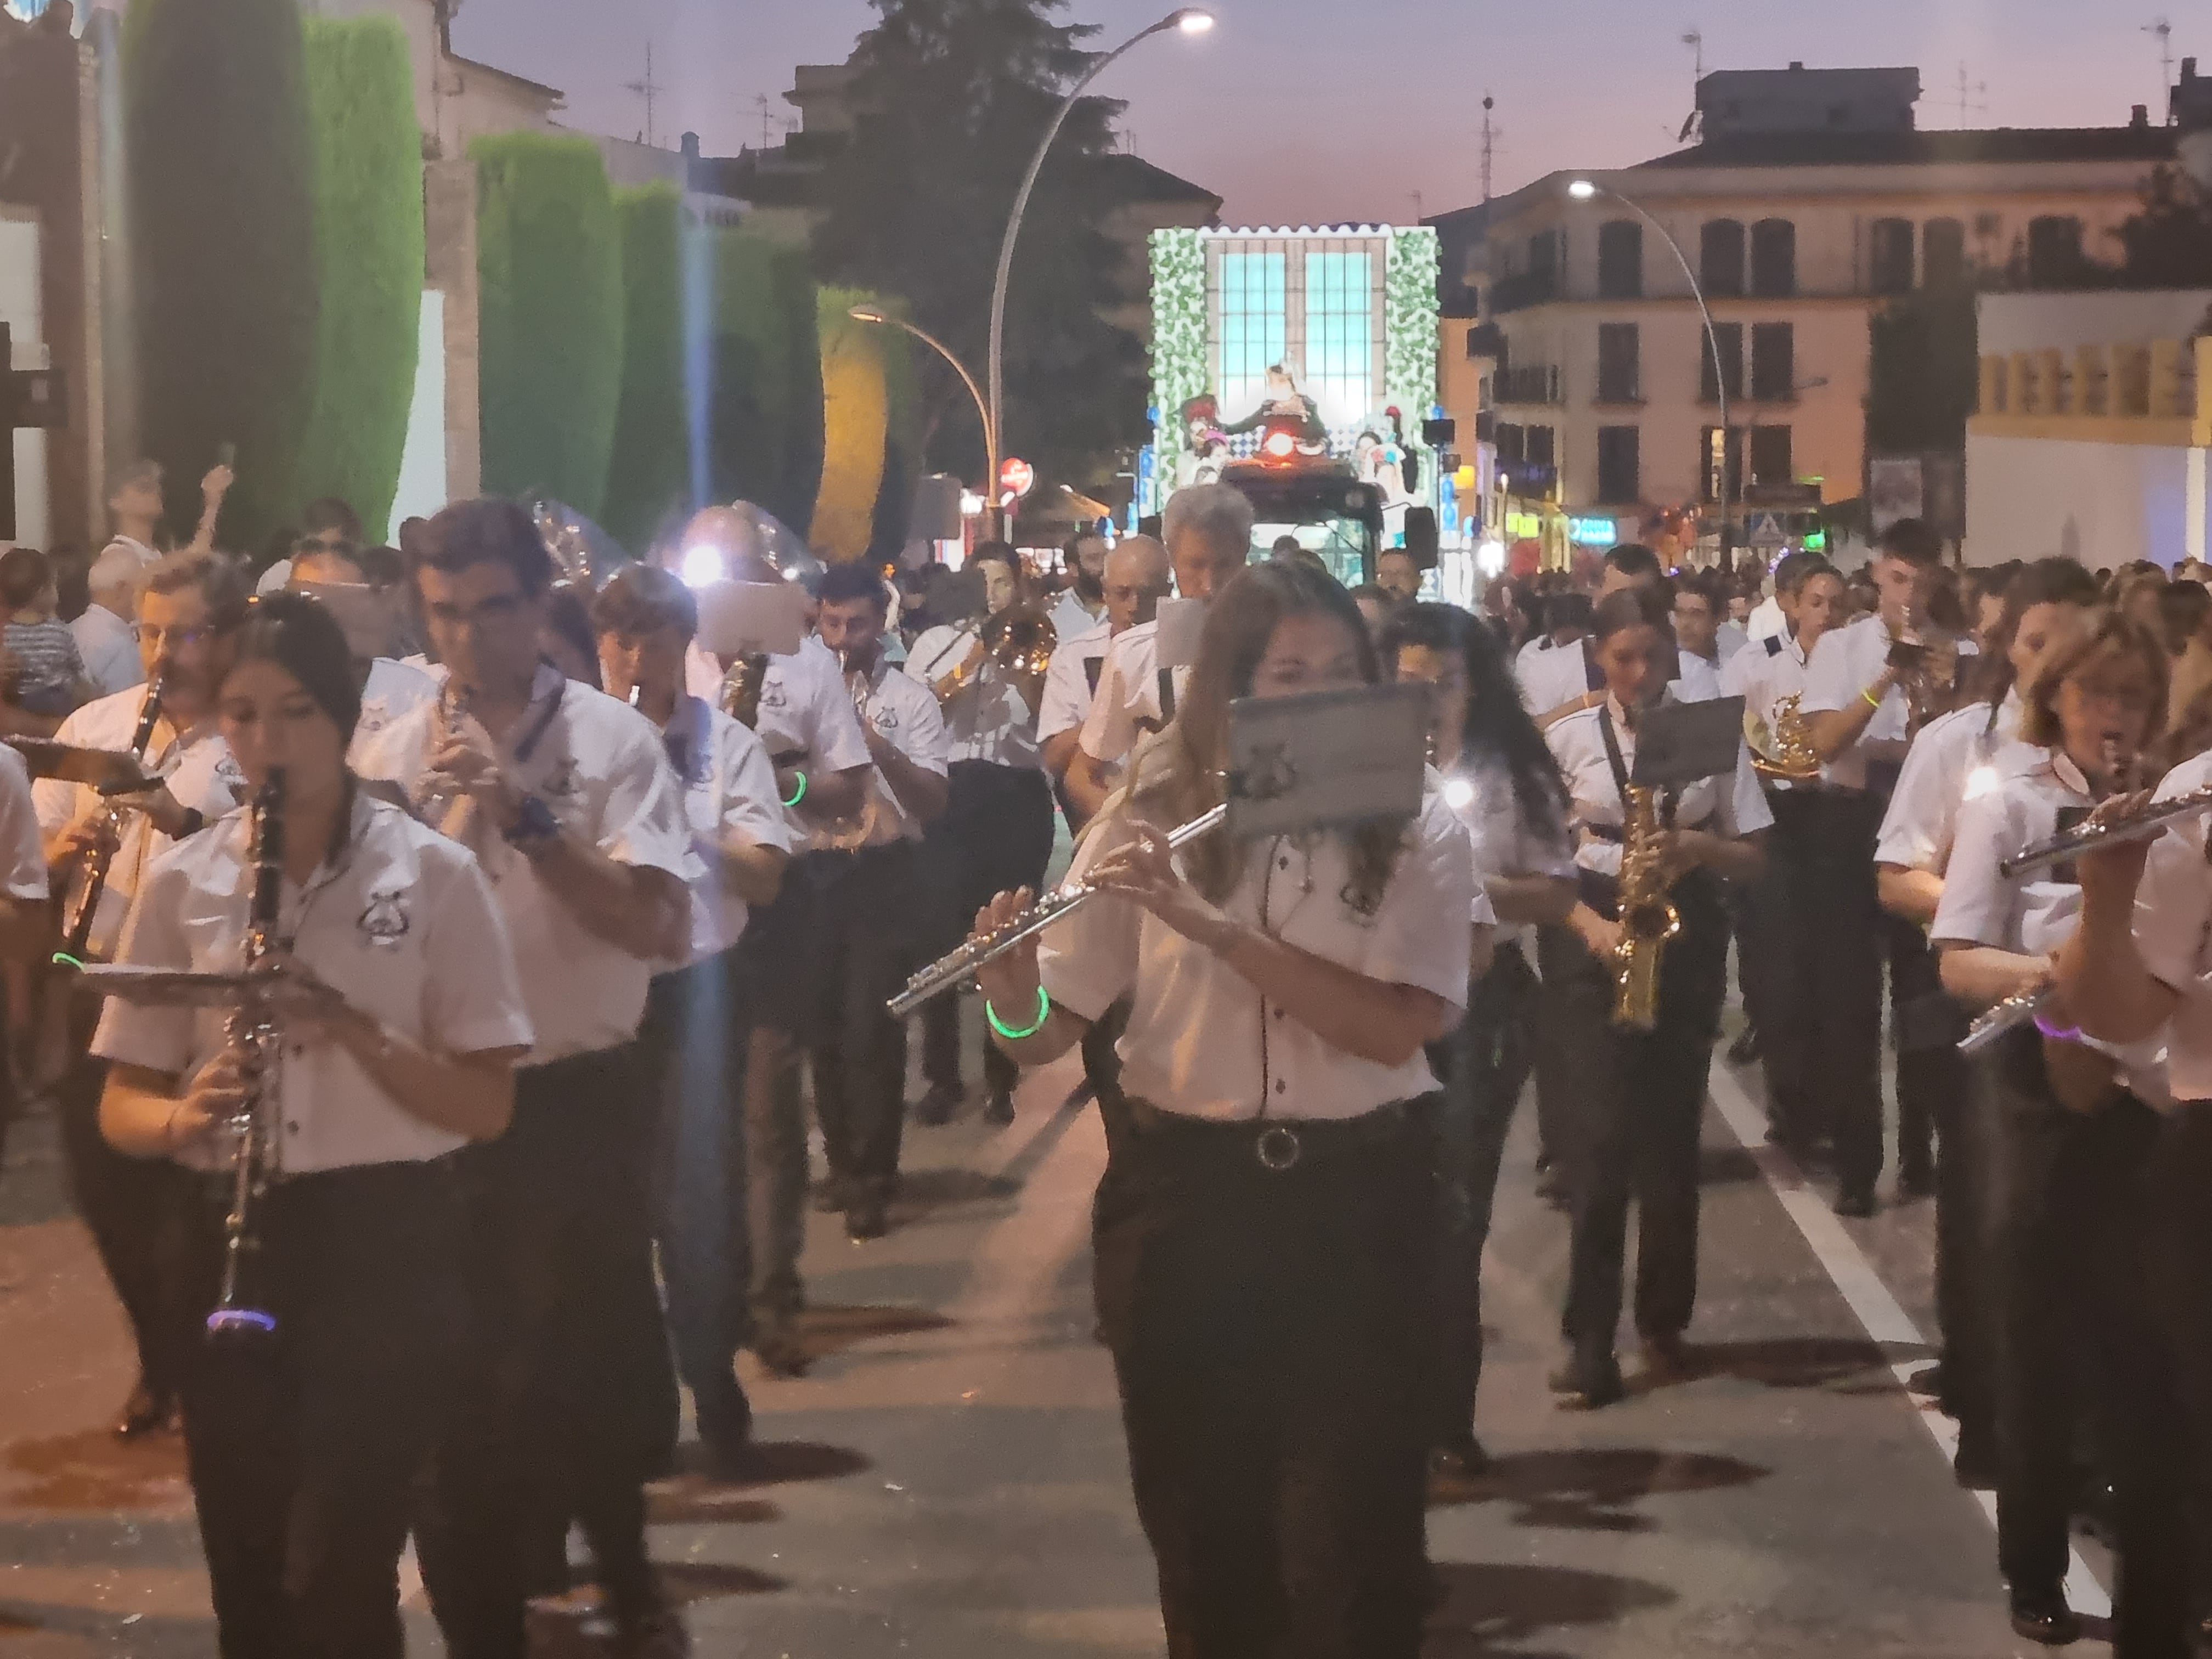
[650,91]
[2163,29]
[1968,92]
[1489,145]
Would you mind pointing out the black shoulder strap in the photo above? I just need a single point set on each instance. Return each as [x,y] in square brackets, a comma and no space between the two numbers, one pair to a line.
[1591,672]
[1092,670]
[1612,754]
[1774,645]
[1167,694]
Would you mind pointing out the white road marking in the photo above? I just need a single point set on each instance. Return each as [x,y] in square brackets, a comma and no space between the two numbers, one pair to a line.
[1871,1300]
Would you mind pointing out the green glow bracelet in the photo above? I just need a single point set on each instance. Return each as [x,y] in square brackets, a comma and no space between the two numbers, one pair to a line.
[1043,1013]
[799,793]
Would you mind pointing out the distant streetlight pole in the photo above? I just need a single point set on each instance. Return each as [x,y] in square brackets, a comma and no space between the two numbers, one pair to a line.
[877,315]
[1585,190]
[1189,20]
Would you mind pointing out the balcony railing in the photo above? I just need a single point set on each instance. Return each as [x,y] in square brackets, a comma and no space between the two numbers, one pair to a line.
[1537,383]
[2158,391]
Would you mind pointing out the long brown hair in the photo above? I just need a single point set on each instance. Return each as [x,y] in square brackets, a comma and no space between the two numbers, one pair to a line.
[1177,777]
[2114,636]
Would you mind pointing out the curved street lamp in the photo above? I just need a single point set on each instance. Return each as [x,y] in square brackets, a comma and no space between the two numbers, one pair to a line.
[1188,20]
[877,315]
[1586,190]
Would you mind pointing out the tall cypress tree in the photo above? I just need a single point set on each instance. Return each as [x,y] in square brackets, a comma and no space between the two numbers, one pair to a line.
[950,97]
[222,225]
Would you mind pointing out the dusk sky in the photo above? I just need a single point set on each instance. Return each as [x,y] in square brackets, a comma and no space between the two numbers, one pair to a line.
[1317,110]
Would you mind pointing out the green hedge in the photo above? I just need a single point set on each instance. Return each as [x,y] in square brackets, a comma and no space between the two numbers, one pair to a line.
[222,228]
[652,471]
[550,324]
[368,229]
[765,399]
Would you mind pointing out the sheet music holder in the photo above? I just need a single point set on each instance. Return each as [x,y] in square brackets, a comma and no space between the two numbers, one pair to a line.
[1326,761]
[1680,744]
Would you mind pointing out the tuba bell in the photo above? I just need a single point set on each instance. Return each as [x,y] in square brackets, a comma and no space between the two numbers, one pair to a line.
[741,688]
[1021,640]
[1792,758]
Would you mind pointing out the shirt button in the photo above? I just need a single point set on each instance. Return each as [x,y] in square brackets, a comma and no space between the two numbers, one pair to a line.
[291,1128]
[298,1051]
[1278,1013]
[1284,863]
[1282,1085]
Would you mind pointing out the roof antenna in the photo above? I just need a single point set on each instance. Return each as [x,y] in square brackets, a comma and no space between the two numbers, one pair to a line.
[2163,29]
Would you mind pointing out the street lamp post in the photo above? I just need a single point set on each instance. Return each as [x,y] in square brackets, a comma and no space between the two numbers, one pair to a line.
[1584,190]
[1189,20]
[877,315]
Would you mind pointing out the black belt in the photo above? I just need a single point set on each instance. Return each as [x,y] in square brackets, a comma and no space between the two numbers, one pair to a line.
[1279,1144]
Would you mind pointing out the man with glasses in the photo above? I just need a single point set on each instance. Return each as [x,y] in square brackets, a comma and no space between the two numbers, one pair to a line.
[327,526]
[192,603]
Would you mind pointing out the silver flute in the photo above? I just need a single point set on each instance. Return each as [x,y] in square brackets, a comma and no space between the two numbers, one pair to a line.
[2009,1015]
[947,972]
[2099,833]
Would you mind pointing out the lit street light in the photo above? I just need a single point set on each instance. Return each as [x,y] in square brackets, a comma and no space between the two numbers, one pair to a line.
[877,315]
[1189,21]
[1586,189]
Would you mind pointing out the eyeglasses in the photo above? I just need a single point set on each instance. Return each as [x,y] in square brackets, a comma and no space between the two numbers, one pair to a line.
[174,637]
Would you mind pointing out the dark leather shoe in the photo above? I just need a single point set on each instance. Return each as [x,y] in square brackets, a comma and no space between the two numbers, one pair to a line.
[1855,1203]
[1666,1358]
[1461,1462]
[1587,1382]
[937,1107]
[2042,1616]
[780,1350]
[865,1219]
[1745,1049]
[143,1413]
[999,1109]
[1975,1464]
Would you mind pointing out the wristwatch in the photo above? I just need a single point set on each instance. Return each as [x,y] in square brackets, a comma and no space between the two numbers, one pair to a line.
[535,827]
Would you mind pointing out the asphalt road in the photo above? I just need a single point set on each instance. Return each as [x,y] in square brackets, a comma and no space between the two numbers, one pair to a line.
[949,1479]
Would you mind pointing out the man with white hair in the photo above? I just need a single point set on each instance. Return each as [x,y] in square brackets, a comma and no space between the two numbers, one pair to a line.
[1136,578]
[105,637]
[1208,531]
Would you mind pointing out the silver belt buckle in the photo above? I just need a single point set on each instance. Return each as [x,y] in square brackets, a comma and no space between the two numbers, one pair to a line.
[1278,1149]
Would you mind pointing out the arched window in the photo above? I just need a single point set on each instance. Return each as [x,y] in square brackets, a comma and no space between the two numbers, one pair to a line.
[1889,257]
[1774,259]
[1721,258]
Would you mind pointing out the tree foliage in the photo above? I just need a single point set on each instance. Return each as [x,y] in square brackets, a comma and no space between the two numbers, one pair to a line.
[223,234]
[952,97]
[1923,372]
[761,354]
[855,425]
[549,322]
[368,232]
[651,472]
[2168,244]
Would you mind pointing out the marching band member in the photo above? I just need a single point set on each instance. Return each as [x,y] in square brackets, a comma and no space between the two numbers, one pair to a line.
[1137,579]
[866,878]
[192,603]
[389,688]
[566,799]
[1082,605]
[1208,531]
[1263,1234]
[1866,693]
[1639,1095]
[2076,1129]
[740,845]
[807,721]
[1503,785]
[996,834]
[2048,606]
[304,1454]
[1778,948]
[1562,681]
[25,931]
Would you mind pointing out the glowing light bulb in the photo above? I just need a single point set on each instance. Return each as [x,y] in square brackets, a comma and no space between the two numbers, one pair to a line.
[1280,444]
[1459,794]
[1982,780]
[702,566]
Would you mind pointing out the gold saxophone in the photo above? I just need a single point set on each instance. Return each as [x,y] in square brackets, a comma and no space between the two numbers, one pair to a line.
[1792,758]
[741,688]
[1647,920]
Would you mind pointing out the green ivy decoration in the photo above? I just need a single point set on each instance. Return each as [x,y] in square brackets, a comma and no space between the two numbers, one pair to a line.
[1414,331]
[1181,370]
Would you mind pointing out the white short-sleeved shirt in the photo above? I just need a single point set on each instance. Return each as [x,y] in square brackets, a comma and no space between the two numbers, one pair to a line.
[1071,617]
[393,690]
[2032,914]
[805,710]
[905,711]
[22,853]
[1766,621]
[599,765]
[1730,805]
[404,924]
[1129,703]
[2173,932]
[1072,681]
[1727,640]
[147,557]
[1952,762]
[197,765]
[1504,842]
[729,789]
[1201,1040]
[1764,674]
[1845,663]
[109,648]
[1565,673]
[987,718]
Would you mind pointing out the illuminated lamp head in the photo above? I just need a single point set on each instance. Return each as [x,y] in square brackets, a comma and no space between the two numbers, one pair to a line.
[1280,446]
[1459,794]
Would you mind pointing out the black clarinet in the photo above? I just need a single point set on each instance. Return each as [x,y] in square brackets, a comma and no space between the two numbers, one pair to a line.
[76,933]
[253,1033]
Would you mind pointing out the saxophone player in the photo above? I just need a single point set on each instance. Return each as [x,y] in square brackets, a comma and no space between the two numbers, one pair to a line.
[305,1451]
[1639,1094]
[193,603]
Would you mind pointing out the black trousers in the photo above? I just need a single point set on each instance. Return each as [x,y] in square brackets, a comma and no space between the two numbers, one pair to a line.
[305,1450]
[2178,1274]
[2074,1305]
[1780,970]
[566,1403]
[1856,936]
[691,1039]
[1271,1336]
[137,1210]
[1639,1104]
[995,836]
[866,941]
[1483,1067]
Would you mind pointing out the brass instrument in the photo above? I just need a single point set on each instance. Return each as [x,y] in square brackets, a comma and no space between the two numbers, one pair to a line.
[960,966]
[253,1033]
[1792,758]
[742,687]
[1021,640]
[83,909]
[1647,921]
